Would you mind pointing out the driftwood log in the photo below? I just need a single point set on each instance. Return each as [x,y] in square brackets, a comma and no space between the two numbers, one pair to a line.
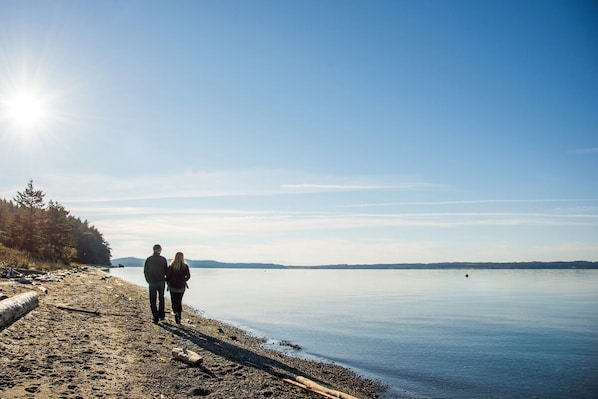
[29,271]
[312,386]
[186,356]
[300,385]
[13,308]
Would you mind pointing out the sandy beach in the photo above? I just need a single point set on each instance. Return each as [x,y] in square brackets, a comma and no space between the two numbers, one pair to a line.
[92,336]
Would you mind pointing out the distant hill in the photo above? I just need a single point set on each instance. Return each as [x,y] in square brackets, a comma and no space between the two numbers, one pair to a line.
[131,262]
[468,265]
[208,264]
[220,265]
[212,264]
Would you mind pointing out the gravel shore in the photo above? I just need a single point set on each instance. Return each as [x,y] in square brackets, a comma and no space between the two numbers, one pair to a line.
[92,336]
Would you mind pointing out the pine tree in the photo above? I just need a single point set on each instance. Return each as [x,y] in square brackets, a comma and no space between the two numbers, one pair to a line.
[27,228]
[57,233]
[6,224]
[90,244]
[50,233]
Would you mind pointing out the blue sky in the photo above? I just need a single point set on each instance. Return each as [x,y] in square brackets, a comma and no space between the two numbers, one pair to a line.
[310,132]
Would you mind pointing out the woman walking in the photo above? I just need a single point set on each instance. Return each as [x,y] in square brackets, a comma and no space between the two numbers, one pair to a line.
[177,275]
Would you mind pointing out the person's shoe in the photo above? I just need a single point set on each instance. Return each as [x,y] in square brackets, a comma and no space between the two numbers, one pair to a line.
[155,321]
[177,319]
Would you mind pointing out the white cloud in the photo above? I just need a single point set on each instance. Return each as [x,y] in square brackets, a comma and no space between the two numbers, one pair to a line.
[467,202]
[589,150]
[358,187]
[85,187]
[297,232]
[273,236]
[334,187]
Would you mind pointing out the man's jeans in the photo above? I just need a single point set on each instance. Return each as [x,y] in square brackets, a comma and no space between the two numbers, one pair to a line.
[157,289]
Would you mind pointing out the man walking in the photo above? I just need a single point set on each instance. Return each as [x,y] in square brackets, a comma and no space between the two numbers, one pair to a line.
[155,275]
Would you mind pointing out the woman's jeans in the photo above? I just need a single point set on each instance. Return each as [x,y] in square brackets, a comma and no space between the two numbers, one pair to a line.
[177,302]
[157,290]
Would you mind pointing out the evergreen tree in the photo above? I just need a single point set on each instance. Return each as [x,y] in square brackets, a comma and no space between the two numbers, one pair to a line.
[57,233]
[6,216]
[28,223]
[50,233]
[90,244]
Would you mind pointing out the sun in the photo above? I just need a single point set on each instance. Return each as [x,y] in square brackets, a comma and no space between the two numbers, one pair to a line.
[26,109]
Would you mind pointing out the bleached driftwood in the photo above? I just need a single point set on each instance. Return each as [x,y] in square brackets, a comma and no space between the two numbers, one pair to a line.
[186,356]
[13,308]
[300,385]
[327,392]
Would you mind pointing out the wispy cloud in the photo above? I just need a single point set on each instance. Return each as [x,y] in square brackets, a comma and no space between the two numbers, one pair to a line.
[84,187]
[221,233]
[469,202]
[359,187]
[335,186]
[589,150]
[135,212]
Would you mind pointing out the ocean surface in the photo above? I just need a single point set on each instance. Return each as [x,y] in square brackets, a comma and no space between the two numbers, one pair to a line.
[425,333]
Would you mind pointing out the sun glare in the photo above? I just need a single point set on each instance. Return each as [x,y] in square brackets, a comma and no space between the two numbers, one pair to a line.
[26,110]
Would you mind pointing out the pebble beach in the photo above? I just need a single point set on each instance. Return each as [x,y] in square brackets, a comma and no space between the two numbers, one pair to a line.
[92,336]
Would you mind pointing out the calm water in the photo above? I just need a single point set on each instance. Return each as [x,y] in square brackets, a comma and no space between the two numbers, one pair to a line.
[426,333]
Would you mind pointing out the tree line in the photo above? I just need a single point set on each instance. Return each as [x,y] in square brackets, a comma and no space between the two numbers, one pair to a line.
[48,231]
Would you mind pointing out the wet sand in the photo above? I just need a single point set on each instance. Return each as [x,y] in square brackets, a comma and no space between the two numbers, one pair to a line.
[92,336]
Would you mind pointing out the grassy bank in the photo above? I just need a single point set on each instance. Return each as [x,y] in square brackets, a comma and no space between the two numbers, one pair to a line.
[15,258]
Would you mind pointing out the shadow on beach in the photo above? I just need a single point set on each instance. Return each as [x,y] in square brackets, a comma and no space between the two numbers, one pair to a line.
[234,353]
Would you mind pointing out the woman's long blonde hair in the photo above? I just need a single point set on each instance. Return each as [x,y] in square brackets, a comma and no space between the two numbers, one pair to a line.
[178,261]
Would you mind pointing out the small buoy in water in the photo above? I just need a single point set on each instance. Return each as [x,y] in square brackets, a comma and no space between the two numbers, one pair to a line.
[467,275]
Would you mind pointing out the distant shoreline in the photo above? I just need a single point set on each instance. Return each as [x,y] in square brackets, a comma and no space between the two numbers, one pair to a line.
[210,264]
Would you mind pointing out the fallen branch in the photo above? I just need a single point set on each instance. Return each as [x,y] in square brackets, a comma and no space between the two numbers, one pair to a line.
[93,312]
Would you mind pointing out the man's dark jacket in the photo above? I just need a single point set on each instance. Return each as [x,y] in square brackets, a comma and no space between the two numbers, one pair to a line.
[155,269]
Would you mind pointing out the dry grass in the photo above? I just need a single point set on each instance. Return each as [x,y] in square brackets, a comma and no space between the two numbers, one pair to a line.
[10,257]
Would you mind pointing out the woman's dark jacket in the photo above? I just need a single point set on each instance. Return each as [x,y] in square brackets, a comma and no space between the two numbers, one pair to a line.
[178,278]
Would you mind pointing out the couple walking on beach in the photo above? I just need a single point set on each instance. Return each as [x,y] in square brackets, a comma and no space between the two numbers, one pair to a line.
[158,274]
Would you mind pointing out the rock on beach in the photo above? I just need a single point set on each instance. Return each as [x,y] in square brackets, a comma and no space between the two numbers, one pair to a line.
[93,337]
